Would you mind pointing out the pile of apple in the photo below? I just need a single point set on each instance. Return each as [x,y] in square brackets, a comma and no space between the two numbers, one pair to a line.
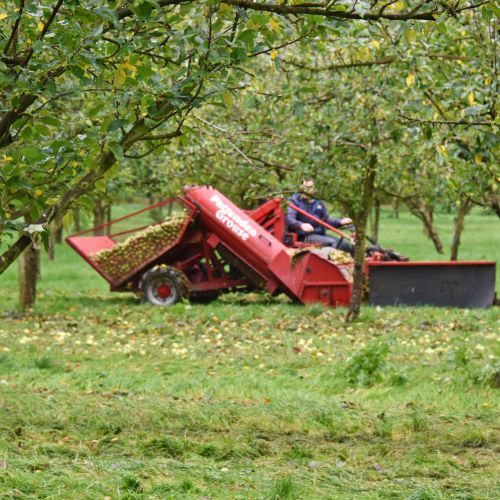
[129,255]
[339,257]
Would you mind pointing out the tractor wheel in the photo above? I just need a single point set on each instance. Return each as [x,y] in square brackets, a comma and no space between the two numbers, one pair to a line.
[164,286]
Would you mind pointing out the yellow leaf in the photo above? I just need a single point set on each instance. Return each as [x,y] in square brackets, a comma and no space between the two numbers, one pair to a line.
[398,6]
[38,193]
[375,43]
[274,54]
[3,16]
[40,26]
[227,10]
[252,25]
[227,98]
[442,149]
[459,61]
[471,99]
[410,35]
[120,77]
[129,67]
[410,79]
[487,81]
[7,159]
[363,54]
[274,25]
[477,158]
[67,220]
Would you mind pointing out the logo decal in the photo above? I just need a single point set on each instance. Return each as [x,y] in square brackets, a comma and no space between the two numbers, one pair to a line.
[232,220]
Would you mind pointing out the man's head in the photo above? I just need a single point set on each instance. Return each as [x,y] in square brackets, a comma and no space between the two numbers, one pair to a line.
[307,187]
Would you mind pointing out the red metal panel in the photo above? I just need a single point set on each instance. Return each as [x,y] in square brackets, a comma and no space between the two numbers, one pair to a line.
[239,232]
[312,278]
[271,217]
[86,246]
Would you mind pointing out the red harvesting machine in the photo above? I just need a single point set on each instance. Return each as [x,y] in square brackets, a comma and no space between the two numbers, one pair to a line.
[216,247]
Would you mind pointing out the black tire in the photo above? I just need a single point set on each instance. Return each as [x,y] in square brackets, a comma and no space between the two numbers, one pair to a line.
[164,286]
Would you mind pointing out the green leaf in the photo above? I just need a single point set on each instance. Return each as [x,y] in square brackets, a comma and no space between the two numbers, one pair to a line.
[298,109]
[77,71]
[116,124]
[441,27]
[51,120]
[239,54]
[474,110]
[37,46]
[35,210]
[258,19]
[116,149]
[410,35]
[143,10]
[247,37]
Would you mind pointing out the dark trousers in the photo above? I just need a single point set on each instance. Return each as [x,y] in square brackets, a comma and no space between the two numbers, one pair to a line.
[330,241]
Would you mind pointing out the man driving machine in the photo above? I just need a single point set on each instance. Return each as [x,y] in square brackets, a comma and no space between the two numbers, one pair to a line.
[307,229]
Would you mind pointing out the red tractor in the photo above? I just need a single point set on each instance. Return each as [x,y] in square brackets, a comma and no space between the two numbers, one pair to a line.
[213,246]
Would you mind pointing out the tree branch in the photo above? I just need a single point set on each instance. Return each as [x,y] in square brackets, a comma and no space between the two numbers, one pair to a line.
[270,49]
[320,10]
[333,67]
[53,14]
[161,137]
[466,123]
[15,31]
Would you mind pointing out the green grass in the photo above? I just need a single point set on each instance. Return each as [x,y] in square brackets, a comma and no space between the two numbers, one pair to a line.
[247,397]
[480,239]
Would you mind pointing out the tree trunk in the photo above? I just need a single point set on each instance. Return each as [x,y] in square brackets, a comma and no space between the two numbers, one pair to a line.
[463,209]
[58,230]
[29,269]
[108,218]
[51,250]
[38,264]
[360,244]
[99,211]
[375,220]
[426,214]
[397,206]
[76,219]
[55,236]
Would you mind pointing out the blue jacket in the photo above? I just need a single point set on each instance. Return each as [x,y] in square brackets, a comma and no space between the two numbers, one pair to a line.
[314,207]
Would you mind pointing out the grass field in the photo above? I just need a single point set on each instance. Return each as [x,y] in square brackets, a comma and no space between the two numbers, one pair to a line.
[248,397]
